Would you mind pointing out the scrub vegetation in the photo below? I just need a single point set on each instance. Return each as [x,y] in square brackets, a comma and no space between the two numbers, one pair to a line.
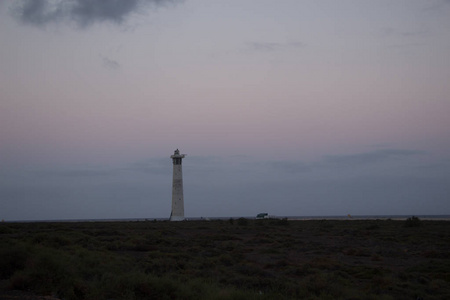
[226,259]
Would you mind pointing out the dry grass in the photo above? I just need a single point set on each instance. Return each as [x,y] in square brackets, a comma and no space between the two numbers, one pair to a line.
[233,259]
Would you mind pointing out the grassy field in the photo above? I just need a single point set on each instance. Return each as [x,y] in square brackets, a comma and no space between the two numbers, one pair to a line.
[227,259]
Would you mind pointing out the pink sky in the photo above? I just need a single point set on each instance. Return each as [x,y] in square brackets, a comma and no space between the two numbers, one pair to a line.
[289,81]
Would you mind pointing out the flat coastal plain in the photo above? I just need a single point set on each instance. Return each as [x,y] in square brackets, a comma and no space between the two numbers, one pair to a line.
[226,259]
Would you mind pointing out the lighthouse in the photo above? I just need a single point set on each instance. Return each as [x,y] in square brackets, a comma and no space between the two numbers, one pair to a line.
[177,213]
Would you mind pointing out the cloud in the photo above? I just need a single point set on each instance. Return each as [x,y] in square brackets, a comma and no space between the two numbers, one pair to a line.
[78,172]
[289,167]
[404,39]
[155,166]
[271,46]
[264,46]
[110,63]
[436,5]
[368,157]
[392,32]
[39,11]
[82,12]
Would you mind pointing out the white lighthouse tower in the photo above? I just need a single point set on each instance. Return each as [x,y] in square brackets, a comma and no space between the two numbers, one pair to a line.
[177,213]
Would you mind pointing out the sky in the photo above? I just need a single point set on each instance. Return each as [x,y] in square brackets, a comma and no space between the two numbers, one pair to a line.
[294,108]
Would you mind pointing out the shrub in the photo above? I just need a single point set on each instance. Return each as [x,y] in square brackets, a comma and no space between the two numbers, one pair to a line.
[5,229]
[413,222]
[242,222]
[247,259]
[373,227]
[48,271]
[283,222]
[12,259]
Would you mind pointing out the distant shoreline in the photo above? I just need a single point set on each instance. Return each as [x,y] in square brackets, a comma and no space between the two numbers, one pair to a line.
[290,218]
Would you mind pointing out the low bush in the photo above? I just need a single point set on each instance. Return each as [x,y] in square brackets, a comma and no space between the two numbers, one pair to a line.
[249,259]
[13,259]
[242,222]
[413,222]
[283,222]
[46,272]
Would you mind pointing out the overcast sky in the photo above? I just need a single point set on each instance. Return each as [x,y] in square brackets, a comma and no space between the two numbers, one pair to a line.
[295,108]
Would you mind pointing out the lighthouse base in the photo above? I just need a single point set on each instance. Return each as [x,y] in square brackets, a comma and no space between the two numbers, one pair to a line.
[176,218]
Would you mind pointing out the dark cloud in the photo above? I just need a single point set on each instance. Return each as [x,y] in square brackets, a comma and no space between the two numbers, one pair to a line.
[228,187]
[82,12]
[39,11]
[157,166]
[369,157]
[110,63]
[88,11]
[83,172]
[290,167]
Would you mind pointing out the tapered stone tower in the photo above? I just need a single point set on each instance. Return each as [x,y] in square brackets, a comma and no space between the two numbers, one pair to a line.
[177,213]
